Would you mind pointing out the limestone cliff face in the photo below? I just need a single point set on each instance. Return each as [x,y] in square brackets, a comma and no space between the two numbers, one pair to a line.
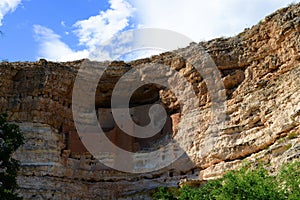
[260,70]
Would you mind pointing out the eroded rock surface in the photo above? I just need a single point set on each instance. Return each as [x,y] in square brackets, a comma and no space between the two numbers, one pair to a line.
[260,69]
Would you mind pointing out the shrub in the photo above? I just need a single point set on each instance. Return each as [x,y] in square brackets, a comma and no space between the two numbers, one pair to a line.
[249,184]
[163,194]
[289,178]
[209,191]
[10,140]
[245,183]
[292,135]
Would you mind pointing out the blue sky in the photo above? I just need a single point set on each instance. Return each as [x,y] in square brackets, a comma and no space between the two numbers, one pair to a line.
[62,30]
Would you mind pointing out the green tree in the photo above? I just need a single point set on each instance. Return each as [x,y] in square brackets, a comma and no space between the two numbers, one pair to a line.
[207,192]
[245,183]
[289,178]
[11,139]
[252,184]
[163,194]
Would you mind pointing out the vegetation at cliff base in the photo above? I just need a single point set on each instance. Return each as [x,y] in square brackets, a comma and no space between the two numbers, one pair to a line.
[245,183]
[11,139]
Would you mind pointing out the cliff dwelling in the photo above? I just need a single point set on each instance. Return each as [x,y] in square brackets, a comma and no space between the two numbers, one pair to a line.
[140,102]
[122,139]
[260,68]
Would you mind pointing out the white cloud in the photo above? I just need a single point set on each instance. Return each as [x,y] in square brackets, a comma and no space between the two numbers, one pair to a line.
[199,20]
[98,29]
[92,34]
[52,48]
[204,19]
[7,6]
[63,23]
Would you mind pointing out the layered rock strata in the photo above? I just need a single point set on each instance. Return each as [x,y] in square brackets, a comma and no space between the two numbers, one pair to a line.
[260,70]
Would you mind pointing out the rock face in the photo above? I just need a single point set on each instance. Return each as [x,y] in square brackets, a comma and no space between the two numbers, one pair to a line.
[260,70]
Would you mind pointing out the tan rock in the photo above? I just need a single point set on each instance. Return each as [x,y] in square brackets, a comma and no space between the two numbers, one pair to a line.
[260,70]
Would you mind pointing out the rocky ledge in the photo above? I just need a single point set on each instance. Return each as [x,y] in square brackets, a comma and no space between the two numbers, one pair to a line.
[260,70]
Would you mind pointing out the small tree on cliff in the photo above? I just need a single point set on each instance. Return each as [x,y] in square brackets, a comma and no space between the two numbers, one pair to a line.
[10,140]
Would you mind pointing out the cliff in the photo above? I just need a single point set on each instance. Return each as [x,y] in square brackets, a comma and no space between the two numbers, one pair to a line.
[260,69]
